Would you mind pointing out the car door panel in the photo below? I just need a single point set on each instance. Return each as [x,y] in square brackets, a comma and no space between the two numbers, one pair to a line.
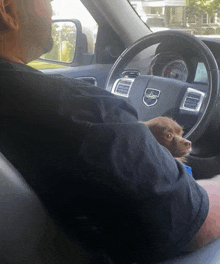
[96,72]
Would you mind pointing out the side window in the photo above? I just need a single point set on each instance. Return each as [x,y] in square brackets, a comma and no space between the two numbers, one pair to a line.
[63,35]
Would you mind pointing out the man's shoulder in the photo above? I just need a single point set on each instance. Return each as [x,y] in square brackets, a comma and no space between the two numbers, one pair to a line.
[9,66]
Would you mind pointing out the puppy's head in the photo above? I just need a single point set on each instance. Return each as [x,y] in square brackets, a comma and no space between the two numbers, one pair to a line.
[169,134]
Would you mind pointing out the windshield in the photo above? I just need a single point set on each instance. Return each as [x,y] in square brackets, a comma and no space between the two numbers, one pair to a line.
[155,22]
[192,16]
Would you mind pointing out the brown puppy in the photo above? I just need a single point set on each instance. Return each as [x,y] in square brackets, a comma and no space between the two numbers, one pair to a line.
[169,134]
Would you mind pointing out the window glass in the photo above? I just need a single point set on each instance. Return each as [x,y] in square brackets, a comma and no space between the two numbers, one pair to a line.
[201,73]
[204,19]
[69,9]
[194,17]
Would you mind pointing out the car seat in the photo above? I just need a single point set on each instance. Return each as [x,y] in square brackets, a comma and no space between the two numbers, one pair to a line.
[28,234]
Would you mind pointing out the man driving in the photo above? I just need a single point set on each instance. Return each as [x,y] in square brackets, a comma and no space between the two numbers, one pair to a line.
[101,175]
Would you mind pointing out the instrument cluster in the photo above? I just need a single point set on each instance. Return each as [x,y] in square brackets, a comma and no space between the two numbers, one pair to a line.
[170,65]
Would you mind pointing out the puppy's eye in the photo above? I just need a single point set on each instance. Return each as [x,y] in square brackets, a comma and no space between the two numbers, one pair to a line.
[169,136]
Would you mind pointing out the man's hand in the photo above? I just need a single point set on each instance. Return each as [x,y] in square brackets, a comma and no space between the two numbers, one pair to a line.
[210,229]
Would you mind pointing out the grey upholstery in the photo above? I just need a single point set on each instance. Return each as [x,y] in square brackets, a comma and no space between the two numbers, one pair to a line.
[27,233]
[29,236]
[22,217]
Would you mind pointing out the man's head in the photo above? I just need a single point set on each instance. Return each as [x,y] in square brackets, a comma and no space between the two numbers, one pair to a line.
[25,29]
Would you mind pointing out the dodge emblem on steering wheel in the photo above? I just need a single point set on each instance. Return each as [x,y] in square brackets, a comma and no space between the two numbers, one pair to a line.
[151,96]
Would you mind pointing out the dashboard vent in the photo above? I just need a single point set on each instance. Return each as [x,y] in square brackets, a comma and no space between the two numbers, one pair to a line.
[122,86]
[131,73]
[90,80]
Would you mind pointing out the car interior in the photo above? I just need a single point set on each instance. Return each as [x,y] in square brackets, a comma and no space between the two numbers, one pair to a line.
[166,73]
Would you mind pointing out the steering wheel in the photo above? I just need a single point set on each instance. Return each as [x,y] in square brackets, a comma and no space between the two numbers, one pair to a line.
[154,96]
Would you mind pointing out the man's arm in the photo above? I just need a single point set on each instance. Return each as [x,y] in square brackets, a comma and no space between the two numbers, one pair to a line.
[210,229]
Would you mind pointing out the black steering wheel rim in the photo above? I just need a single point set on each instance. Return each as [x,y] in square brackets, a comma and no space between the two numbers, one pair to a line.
[203,52]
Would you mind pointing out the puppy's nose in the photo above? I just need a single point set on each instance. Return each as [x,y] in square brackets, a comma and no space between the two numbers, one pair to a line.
[187,143]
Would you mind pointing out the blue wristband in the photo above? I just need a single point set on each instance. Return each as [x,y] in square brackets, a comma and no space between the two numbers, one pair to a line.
[188,169]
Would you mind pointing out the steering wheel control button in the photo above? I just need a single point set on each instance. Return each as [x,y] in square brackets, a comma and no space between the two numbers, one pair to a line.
[151,96]
[194,95]
[122,86]
[192,101]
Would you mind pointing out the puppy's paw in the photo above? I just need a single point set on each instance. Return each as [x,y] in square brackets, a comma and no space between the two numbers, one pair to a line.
[181,159]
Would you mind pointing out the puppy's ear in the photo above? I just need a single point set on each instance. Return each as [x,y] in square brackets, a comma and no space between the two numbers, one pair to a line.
[156,128]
